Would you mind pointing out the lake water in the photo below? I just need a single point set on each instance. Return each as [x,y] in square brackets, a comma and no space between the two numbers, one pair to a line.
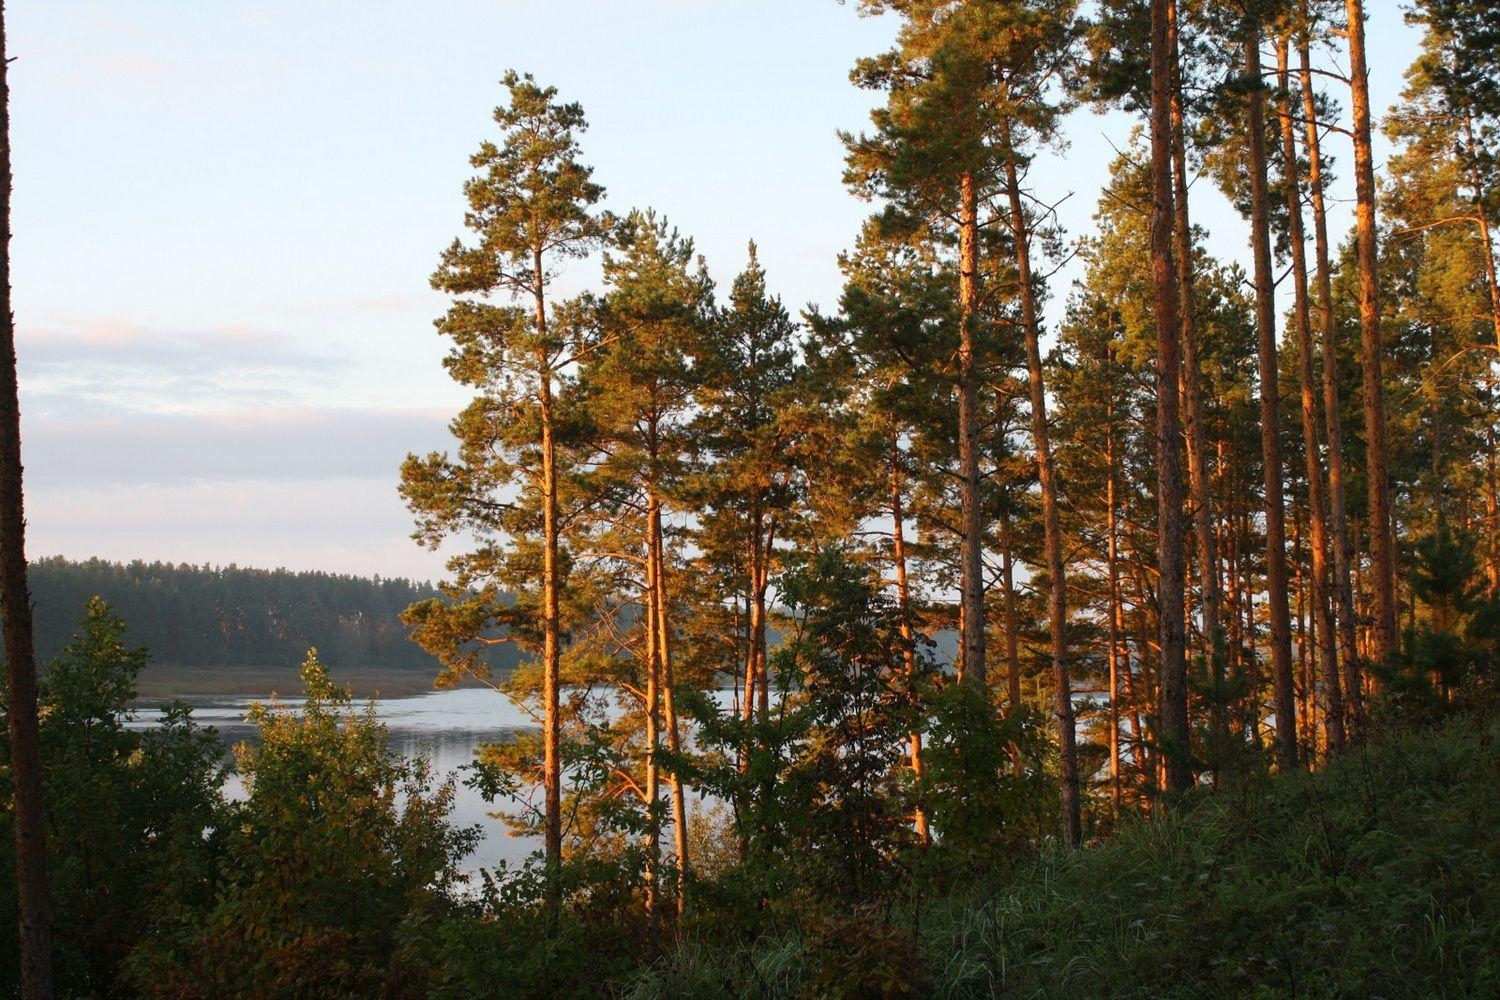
[444,726]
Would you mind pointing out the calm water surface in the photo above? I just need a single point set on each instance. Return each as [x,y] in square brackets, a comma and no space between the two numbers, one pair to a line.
[444,726]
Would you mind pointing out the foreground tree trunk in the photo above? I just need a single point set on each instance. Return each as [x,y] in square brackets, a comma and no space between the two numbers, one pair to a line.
[1382,543]
[652,707]
[1192,384]
[1057,611]
[1112,537]
[1270,410]
[1328,670]
[669,706]
[551,615]
[34,903]
[1172,625]
[971,564]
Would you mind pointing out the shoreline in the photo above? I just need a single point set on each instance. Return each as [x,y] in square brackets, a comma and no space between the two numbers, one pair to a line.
[157,684]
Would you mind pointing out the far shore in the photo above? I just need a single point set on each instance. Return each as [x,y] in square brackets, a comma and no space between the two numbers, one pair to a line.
[158,683]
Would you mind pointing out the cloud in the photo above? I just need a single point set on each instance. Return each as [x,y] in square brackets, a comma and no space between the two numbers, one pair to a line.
[109,367]
[282,445]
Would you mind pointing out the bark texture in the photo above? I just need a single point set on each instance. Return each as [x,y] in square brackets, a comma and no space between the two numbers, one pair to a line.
[1172,629]
[1382,543]
[1282,684]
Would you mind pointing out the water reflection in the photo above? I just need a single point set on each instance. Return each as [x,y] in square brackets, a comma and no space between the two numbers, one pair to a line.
[444,726]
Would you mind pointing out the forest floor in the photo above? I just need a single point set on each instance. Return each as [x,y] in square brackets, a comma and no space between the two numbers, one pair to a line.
[1377,876]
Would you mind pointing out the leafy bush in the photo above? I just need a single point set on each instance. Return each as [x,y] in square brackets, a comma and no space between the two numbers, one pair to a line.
[340,853]
[131,814]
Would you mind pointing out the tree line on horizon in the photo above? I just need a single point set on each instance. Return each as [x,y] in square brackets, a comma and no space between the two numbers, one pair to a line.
[233,616]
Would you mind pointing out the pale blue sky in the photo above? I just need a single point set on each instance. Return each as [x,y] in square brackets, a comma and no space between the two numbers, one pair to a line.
[225,215]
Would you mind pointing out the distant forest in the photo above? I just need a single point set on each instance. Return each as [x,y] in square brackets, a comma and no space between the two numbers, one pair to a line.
[233,616]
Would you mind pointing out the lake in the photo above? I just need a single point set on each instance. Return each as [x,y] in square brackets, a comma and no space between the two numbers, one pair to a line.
[444,726]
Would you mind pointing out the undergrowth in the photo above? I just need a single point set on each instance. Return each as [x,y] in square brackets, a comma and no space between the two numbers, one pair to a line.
[1375,877]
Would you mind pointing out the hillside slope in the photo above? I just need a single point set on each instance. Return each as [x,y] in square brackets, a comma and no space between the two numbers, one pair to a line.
[1377,877]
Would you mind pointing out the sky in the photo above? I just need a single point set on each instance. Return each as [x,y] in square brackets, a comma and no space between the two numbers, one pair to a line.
[225,217]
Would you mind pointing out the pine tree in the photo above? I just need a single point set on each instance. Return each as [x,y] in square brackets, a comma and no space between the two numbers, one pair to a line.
[638,388]
[1331,695]
[529,208]
[1171,579]
[1377,474]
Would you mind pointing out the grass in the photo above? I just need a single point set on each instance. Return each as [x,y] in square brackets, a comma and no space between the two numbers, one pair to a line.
[1376,877]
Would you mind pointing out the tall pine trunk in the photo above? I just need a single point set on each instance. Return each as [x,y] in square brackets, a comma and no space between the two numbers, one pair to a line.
[1328,669]
[1270,408]
[551,613]
[652,706]
[1172,626]
[1343,584]
[903,607]
[1057,609]
[1112,539]
[33,898]
[1192,386]
[971,564]
[1382,541]
[669,707]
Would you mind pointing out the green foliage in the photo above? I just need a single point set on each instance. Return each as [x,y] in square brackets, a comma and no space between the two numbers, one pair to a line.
[505,942]
[848,800]
[819,796]
[1375,877]
[337,856]
[1456,641]
[984,782]
[132,813]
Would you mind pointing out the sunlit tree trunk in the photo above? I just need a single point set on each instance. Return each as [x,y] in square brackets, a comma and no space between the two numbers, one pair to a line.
[551,604]
[1171,580]
[971,565]
[1343,586]
[1057,611]
[1328,670]
[669,704]
[652,707]
[1192,384]
[903,604]
[1112,539]
[1270,409]
[1382,541]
